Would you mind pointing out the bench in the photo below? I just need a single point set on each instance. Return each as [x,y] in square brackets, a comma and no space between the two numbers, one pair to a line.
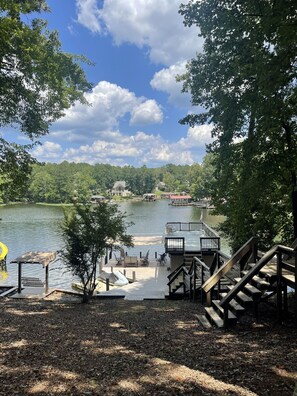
[131,261]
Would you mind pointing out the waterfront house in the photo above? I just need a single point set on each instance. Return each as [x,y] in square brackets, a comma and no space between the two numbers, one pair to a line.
[120,188]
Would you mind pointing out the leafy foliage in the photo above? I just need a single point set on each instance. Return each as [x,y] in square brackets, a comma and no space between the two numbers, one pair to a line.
[38,81]
[246,81]
[88,232]
[56,183]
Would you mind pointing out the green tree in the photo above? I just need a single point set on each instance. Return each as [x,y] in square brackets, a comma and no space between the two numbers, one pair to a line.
[38,81]
[42,187]
[246,81]
[80,186]
[88,232]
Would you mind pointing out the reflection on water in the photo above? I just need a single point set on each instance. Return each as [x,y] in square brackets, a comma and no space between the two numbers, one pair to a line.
[35,227]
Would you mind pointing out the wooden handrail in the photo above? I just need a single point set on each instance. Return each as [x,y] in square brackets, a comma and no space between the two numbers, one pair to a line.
[201,263]
[215,278]
[180,269]
[174,272]
[253,271]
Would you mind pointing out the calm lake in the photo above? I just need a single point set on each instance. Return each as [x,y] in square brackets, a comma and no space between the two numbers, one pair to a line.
[26,228]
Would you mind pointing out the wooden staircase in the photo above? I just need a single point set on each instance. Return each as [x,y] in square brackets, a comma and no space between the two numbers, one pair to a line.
[182,281]
[247,299]
[269,275]
[187,279]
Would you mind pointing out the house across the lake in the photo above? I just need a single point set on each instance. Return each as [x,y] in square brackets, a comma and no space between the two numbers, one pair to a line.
[120,188]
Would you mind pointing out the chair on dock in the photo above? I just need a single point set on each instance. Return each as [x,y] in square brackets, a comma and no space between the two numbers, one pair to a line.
[120,260]
[145,260]
[162,259]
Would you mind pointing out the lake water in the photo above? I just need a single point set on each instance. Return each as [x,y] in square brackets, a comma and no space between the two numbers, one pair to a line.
[26,228]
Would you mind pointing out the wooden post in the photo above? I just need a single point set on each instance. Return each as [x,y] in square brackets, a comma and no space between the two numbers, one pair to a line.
[285,299]
[255,251]
[19,277]
[226,323]
[279,288]
[111,269]
[295,291]
[202,281]
[107,284]
[208,299]
[125,272]
[194,282]
[46,279]
[134,276]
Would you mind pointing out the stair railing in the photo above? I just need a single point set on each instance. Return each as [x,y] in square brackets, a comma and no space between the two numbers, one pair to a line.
[197,270]
[279,251]
[249,249]
[174,275]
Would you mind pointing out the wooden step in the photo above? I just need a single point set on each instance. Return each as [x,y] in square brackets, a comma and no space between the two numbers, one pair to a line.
[232,319]
[242,297]
[234,305]
[11,290]
[261,283]
[251,290]
[213,317]
[202,319]
[175,296]
[251,265]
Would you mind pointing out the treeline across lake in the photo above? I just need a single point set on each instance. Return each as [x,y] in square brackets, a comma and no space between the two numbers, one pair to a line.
[60,183]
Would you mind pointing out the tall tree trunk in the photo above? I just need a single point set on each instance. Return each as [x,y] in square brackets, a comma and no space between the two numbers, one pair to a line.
[294,203]
[288,134]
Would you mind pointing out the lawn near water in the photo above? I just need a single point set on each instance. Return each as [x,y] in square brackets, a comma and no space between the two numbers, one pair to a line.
[118,347]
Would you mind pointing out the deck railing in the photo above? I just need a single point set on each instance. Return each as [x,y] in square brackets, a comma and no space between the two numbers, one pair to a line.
[207,238]
[175,245]
[174,226]
[209,243]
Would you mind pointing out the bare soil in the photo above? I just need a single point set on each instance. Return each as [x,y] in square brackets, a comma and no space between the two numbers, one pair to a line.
[119,347]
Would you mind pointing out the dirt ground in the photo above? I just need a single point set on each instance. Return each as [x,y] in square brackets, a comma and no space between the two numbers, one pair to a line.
[119,347]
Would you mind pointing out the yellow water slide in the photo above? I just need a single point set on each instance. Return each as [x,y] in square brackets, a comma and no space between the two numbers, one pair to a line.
[3,255]
[4,251]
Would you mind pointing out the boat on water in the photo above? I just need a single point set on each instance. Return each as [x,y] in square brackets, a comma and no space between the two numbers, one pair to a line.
[116,278]
[148,197]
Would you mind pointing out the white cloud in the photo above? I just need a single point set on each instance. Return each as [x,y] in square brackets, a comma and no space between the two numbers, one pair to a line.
[148,112]
[88,15]
[152,24]
[197,136]
[115,148]
[48,151]
[109,103]
[165,80]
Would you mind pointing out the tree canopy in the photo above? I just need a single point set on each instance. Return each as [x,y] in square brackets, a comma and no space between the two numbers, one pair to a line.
[38,81]
[88,232]
[246,81]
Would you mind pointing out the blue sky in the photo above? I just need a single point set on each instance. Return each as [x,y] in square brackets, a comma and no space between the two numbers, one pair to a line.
[137,47]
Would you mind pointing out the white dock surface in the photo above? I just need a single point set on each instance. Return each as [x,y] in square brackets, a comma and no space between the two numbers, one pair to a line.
[151,283]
